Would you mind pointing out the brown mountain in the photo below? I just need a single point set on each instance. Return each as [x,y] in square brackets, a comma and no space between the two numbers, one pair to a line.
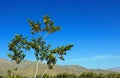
[27,68]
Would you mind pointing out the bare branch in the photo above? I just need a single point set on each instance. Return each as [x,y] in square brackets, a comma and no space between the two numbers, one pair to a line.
[45,36]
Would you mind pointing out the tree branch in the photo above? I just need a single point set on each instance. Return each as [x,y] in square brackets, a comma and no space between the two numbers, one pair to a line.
[44,73]
[45,35]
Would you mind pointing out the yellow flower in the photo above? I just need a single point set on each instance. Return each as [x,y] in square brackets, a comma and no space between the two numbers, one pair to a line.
[38,46]
[36,25]
[45,20]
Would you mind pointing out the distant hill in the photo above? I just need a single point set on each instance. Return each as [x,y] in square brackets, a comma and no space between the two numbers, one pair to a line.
[28,68]
[115,69]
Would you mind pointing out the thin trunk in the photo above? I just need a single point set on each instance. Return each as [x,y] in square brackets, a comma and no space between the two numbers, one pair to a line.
[44,73]
[36,69]
[54,72]
[45,35]
[15,70]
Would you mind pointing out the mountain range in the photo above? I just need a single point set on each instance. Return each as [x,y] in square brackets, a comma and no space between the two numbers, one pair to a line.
[115,69]
[27,68]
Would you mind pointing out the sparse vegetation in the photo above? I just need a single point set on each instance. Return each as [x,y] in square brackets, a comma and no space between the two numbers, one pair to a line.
[13,74]
[65,75]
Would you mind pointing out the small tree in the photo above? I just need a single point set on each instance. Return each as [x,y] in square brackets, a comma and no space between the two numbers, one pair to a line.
[17,45]
[43,52]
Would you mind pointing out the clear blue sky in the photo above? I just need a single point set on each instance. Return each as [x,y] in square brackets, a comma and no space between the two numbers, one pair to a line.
[93,26]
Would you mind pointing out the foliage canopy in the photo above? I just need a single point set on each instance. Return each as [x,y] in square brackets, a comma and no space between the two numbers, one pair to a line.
[43,52]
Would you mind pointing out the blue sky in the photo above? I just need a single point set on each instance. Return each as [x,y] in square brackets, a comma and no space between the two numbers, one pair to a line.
[93,26]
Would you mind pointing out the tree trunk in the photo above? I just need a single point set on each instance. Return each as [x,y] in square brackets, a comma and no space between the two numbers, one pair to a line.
[44,73]
[36,69]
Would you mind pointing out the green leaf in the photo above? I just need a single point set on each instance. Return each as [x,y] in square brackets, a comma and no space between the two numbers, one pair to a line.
[62,58]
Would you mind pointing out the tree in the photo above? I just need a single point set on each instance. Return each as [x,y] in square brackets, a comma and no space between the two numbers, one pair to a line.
[17,45]
[43,52]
